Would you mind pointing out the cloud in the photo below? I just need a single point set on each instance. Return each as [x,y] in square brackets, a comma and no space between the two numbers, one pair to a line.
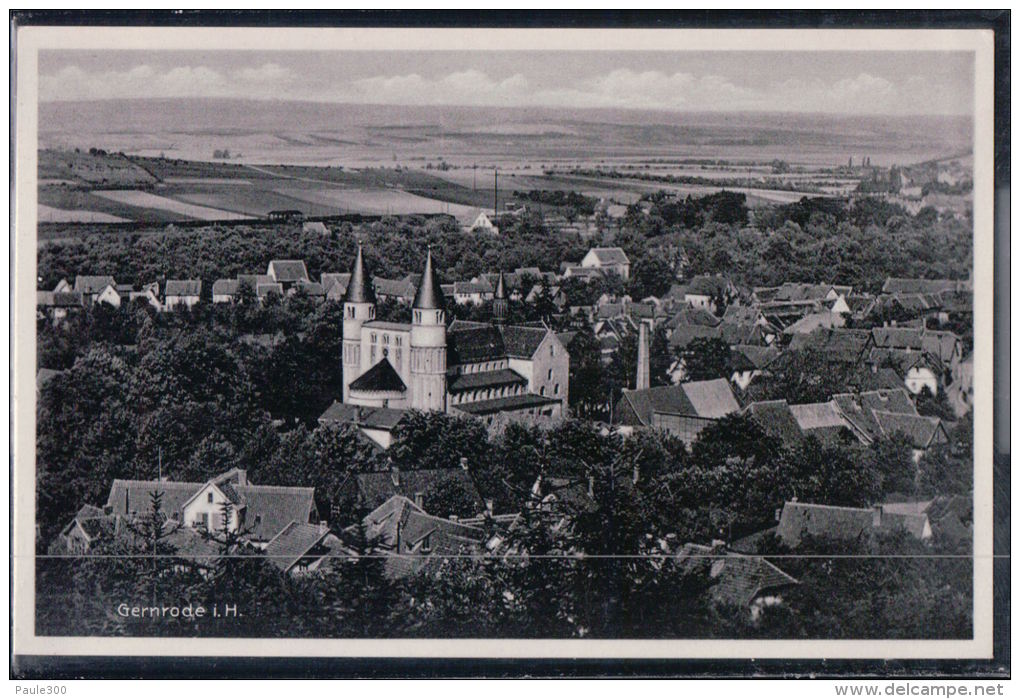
[619,88]
[144,81]
[470,87]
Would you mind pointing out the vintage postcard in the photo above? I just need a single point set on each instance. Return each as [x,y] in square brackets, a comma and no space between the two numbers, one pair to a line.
[547,343]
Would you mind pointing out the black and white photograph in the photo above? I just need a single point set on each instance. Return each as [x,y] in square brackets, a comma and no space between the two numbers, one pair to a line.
[648,345]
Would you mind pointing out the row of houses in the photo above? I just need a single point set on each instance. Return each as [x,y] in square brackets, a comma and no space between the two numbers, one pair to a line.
[282,525]
[801,317]
[686,409]
[66,299]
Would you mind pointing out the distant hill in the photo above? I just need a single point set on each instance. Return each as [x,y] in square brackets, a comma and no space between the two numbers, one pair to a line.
[285,131]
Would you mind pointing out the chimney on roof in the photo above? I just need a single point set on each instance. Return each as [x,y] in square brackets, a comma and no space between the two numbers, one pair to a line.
[395,475]
[488,506]
[643,374]
[876,516]
[242,477]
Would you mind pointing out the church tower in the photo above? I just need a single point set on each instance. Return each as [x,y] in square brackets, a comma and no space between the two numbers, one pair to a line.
[499,302]
[359,307]
[428,343]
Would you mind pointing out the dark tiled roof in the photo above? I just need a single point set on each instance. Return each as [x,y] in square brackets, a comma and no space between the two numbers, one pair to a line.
[896,285]
[87,284]
[838,344]
[737,579]
[706,399]
[67,299]
[225,287]
[265,289]
[430,294]
[254,280]
[522,342]
[689,315]
[363,416]
[859,408]
[183,287]
[288,270]
[311,288]
[848,523]
[707,285]
[957,301]
[380,378]
[328,279]
[292,543]
[127,496]
[813,321]
[399,530]
[400,288]
[776,419]
[485,407]
[919,429]
[471,288]
[468,342]
[792,291]
[484,379]
[270,508]
[758,357]
[610,256]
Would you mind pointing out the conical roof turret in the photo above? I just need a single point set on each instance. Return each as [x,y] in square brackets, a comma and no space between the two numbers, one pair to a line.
[500,288]
[359,288]
[430,293]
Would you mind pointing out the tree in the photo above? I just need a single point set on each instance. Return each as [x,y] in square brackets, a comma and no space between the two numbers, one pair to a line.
[935,405]
[650,276]
[438,440]
[447,496]
[589,397]
[706,358]
[948,469]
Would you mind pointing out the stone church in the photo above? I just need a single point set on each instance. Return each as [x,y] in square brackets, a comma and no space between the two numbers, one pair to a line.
[481,369]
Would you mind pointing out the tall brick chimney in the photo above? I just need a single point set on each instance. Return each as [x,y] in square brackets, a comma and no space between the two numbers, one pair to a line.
[643,372]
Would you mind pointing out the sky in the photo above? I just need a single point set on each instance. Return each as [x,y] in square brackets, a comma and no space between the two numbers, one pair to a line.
[875,82]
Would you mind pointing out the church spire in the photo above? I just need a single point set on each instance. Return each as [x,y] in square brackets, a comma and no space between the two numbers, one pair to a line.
[359,288]
[430,293]
[499,302]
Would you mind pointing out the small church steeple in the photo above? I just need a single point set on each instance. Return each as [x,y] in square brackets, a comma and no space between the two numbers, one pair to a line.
[499,302]
[359,308]
[428,342]
[359,288]
[430,293]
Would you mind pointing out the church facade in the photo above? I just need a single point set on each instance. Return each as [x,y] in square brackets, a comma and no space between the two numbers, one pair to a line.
[481,369]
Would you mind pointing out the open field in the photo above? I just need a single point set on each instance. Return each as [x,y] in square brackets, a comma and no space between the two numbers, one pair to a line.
[138,198]
[332,159]
[377,201]
[47,214]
